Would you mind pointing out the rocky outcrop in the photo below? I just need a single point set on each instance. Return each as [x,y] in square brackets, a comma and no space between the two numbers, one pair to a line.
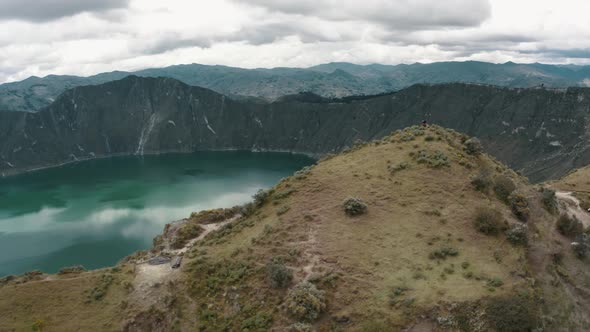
[539,131]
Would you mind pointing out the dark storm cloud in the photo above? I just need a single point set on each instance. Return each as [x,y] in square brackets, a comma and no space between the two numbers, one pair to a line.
[477,41]
[254,35]
[48,10]
[395,14]
[269,33]
[171,42]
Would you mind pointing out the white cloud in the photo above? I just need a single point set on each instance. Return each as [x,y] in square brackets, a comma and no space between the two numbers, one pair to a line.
[85,40]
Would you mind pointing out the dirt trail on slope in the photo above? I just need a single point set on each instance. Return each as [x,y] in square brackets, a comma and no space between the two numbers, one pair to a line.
[149,282]
[571,205]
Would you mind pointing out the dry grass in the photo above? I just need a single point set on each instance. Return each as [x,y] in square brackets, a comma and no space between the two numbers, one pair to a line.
[64,303]
[577,180]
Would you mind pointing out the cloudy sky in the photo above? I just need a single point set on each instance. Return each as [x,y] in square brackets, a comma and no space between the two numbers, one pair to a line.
[84,37]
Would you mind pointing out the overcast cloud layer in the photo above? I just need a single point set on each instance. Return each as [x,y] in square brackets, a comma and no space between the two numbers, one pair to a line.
[84,37]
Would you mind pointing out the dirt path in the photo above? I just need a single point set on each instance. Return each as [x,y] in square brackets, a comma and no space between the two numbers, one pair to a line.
[149,279]
[208,228]
[572,206]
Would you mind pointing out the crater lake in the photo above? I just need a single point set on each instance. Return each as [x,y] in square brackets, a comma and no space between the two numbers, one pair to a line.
[96,212]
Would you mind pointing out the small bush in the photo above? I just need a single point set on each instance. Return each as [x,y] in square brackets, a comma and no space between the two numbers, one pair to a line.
[300,327]
[495,282]
[398,167]
[443,253]
[72,269]
[355,207]
[473,146]
[260,197]
[436,159]
[482,181]
[278,274]
[261,321]
[549,200]
[283,194]
[581,246]
[304,172]
[98,292]
[512,314]
[406,137]
[503,187]
[517,234]
[214,215]
[488,221]
[519,205]
[38,325]
[186,232]
[569,226]
[305,301]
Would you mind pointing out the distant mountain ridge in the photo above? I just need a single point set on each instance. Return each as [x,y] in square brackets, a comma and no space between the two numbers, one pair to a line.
[327,80]
[542,132]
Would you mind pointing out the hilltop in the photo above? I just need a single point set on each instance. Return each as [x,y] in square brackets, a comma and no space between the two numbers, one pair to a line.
[327,80]
[437,236]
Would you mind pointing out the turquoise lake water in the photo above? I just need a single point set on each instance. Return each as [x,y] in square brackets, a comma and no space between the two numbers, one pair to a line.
[94,213]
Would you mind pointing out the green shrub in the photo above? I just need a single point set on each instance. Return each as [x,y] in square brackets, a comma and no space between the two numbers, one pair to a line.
[354,207]
[214,215]
[517,234]
[569,226]
[72,269]
[278,274]
[495,282]
[435,159]
[512,314]
[304,172]
[519,205]
[305,301]
[482,181]
[98,292]
[186,232]
[260,321]
[443,253]
[488,220]
[503,187]
[581,246]
[549,200]
[299,327]
[260,197]
[473,146]
[429,138]
[283,194]
[406,137]
[38,325]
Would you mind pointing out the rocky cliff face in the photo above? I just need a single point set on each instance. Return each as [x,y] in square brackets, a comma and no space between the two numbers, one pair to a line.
[541,132]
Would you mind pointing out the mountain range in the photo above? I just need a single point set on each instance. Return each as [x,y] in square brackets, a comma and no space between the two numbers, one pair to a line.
[541,132]
[327,80]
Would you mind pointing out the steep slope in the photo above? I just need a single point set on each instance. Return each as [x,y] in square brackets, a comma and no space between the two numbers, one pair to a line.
[328,80]
[574,189]
[540,132]
[294,260]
